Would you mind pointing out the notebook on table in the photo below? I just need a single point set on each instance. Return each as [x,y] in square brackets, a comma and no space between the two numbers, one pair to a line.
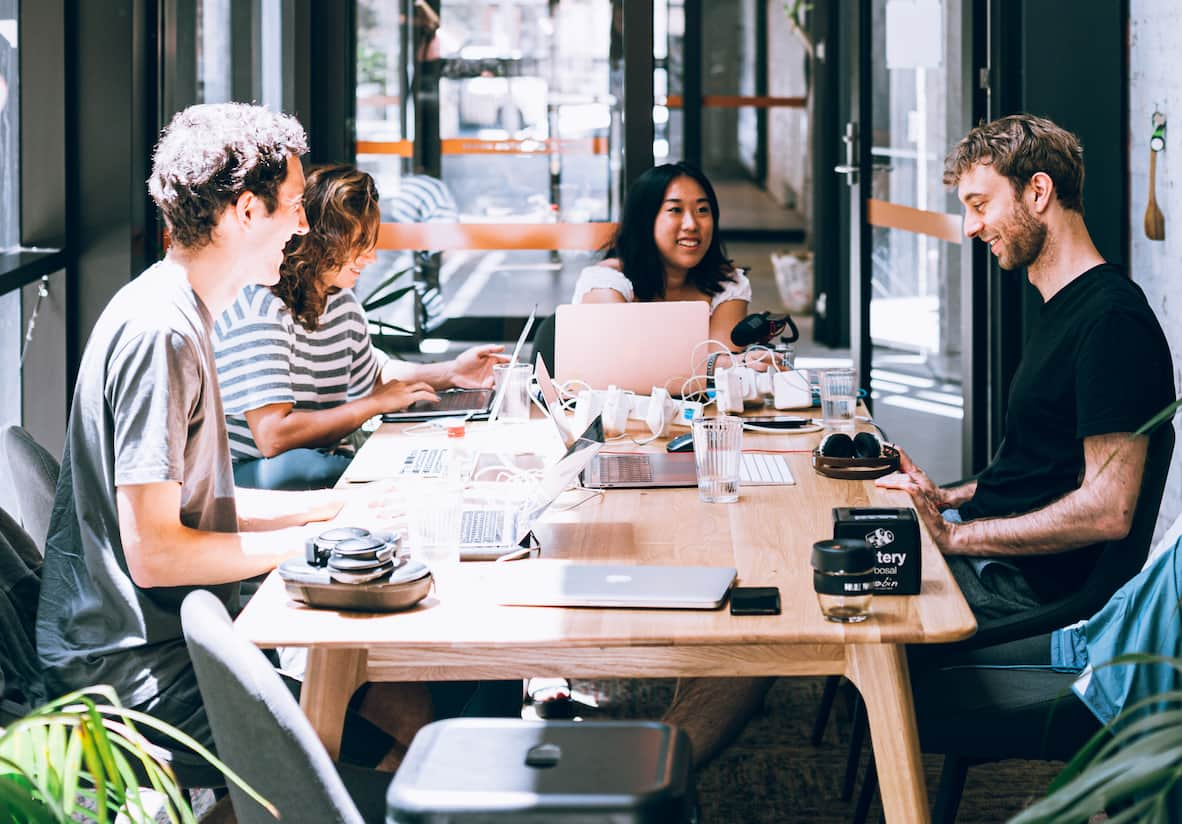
[632,345]
[650,470]
[557,584]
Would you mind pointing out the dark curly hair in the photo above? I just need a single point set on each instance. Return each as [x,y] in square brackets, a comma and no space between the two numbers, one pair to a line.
[341,202]
[210,154]
[1017,146]
[636,248]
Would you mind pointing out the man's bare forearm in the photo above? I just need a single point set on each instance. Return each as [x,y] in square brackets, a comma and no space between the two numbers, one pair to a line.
[260,510]
[1101,509]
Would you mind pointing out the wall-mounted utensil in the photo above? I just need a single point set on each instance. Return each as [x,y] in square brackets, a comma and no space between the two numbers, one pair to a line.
[1155,221]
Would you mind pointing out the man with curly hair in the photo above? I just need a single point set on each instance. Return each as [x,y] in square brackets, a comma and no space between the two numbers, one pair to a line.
[146,508]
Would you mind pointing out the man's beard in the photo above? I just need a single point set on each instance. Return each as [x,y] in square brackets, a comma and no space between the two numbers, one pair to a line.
[1025,237]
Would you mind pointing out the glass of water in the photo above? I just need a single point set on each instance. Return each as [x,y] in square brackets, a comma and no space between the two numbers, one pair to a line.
[839,395]
[718,452]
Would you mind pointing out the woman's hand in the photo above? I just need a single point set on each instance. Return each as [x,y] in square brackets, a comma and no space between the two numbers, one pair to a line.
[473,369]
[394,396]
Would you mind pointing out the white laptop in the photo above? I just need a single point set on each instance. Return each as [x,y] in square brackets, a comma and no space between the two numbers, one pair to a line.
[632,345]
[486,533]
[651,470]
[559,584]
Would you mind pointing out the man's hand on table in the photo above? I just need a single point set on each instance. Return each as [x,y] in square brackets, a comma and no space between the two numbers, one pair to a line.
[929,499]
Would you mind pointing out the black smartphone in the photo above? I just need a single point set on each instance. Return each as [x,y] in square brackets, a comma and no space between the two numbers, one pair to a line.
[755,601]
[778,421]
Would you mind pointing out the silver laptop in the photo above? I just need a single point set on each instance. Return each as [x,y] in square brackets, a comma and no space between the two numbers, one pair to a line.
[486,533]
[555,584]
[474,404]
[650,470]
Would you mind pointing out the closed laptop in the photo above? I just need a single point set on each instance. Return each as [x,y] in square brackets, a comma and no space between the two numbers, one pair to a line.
[557,584]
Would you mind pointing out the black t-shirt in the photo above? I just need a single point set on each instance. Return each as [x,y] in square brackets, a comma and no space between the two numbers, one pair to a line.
[1097,363]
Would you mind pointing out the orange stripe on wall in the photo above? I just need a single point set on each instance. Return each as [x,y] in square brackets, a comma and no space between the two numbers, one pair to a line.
[469,146]
[734,101]
[450,236]
[894,216]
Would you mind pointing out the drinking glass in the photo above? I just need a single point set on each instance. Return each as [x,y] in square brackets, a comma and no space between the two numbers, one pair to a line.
[433,519]
[839,389]
[718,450]
[512,384]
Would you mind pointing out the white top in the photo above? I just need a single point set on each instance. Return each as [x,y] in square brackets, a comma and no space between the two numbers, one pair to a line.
[605,277]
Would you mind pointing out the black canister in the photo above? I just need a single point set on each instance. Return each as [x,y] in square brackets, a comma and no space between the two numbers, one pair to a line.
[843,578]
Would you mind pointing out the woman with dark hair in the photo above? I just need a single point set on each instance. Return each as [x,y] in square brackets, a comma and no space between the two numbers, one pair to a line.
[668,248]
[298,372]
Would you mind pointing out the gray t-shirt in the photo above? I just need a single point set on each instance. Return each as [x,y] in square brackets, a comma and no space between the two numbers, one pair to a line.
[146,409]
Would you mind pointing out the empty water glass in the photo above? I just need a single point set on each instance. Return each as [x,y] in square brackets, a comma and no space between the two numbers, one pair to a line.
[433,517]
[718,451]
[512,384]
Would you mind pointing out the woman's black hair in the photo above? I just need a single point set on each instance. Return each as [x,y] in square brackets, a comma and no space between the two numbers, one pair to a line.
[635,248]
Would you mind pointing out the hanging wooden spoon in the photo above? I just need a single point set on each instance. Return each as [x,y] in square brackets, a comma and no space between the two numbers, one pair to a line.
[1155,222]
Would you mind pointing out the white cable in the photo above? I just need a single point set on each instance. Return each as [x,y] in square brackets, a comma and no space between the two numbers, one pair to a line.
[694,352]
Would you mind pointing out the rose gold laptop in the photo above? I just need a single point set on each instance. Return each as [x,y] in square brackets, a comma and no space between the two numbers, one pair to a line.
[632,345]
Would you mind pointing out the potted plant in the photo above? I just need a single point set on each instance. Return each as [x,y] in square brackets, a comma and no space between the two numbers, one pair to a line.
[86,746]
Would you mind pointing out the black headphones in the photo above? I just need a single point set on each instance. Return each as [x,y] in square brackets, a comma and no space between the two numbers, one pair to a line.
[841,445]
[862,457]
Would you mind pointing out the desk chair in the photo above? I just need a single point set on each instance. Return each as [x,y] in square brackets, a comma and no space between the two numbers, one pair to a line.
[1119,561]
[973,713]
[21,685]
[544,342]
[262,734]
[34,472]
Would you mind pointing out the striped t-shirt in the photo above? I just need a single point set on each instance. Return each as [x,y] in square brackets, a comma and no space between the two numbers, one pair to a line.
[265,356]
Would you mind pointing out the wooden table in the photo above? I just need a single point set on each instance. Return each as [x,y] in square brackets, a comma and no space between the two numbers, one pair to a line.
[767,536]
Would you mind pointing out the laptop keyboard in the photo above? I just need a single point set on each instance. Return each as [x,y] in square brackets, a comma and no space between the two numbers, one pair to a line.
[482,526]
[759,469]
[615,469]
[467,401]
[423,462]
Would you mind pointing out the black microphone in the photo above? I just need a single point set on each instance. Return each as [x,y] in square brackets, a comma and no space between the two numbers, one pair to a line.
[761,328]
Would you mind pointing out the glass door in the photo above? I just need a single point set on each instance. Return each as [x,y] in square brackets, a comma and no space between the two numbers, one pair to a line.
[913,330]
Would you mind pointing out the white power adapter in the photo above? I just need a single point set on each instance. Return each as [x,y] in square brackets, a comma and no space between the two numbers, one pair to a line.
[791,390]
[661,411]
[736,386]
[588,404]
[686,412]
[617,403]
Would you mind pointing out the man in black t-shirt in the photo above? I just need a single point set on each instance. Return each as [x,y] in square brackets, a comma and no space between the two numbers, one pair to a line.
[1096,367]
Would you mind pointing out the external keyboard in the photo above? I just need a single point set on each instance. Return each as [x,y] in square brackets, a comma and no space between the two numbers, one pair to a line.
[760,469]
[424,462]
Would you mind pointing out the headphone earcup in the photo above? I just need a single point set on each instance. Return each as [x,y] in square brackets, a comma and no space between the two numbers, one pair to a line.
[867,445]
[837,445]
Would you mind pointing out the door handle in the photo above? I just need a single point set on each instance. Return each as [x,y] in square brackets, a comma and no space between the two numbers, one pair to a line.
[850,168]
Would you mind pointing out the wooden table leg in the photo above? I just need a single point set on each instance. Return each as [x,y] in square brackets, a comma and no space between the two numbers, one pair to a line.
[331,678]
[879,671]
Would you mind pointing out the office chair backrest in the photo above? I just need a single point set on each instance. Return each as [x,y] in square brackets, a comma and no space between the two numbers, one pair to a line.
[21,685]
[544,342]
[34,474]
[259,729]
[1119,560]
